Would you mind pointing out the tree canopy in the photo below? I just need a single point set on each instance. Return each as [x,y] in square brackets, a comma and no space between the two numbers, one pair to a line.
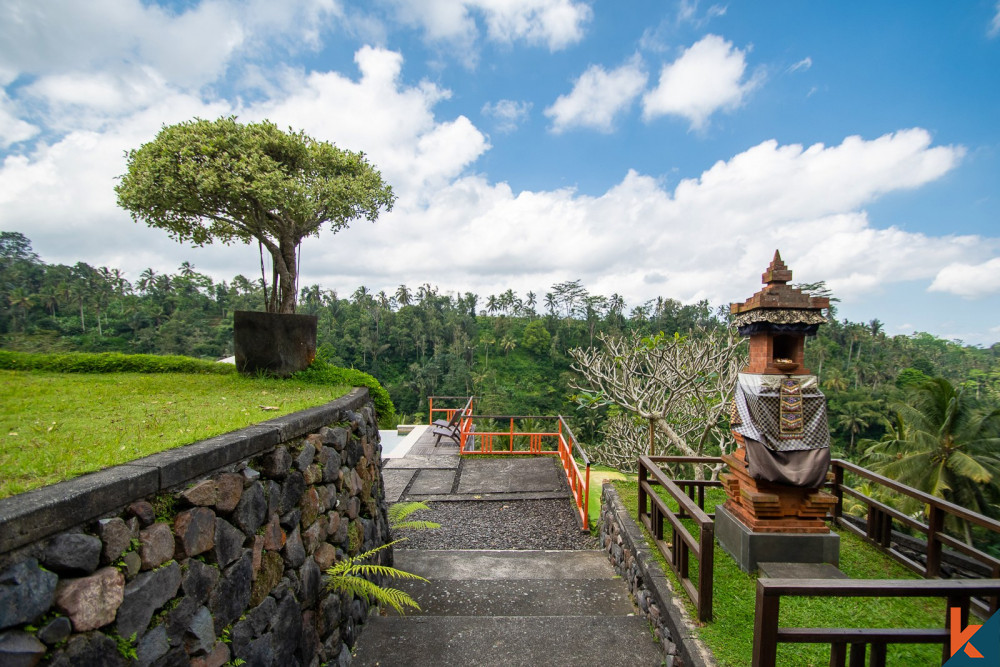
[221,180]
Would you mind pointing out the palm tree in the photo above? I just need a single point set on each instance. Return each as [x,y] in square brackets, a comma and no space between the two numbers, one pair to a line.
[403,295]
[19,299]
[854,419]
[944,445]
[147,279]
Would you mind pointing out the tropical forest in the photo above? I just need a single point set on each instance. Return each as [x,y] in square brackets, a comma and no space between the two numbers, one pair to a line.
[915,407]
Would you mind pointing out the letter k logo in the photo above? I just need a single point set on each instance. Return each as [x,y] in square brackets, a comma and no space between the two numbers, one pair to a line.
[959,636]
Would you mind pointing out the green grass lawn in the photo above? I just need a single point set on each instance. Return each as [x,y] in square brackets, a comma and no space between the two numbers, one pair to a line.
[730,633]
[55,426]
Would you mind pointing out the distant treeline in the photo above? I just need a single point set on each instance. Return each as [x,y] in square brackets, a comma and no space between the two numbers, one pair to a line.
[509,349]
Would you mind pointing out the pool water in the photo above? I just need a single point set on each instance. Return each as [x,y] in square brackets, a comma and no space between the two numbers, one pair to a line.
[395,445]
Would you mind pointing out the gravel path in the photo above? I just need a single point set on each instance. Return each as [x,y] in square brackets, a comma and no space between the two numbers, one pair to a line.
[512,524]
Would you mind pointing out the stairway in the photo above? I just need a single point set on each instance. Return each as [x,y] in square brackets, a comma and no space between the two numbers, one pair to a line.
[510,607]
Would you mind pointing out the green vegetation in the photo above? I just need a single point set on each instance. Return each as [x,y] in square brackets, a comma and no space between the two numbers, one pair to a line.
[944,442]
[322,373]
[55,426]
[110,362]
[348,577]
[399,514]
[205,181]
[730,634]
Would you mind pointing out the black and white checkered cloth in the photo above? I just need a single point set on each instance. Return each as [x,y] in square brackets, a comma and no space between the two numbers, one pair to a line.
[758,404]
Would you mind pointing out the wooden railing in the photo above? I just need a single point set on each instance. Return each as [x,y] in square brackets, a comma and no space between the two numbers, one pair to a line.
[682,545]
[767,634]
[879,518]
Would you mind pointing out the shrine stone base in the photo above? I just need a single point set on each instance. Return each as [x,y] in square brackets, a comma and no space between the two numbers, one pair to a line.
[749,548]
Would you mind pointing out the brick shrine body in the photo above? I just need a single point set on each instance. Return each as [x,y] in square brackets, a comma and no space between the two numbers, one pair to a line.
[775,506]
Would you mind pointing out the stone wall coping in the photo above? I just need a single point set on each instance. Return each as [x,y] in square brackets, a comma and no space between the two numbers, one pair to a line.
[34,515]
[693,653]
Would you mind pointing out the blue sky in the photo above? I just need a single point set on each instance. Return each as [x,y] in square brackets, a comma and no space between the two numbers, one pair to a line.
[649,148]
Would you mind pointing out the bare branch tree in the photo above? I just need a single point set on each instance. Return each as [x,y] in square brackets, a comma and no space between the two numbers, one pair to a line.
[680,385]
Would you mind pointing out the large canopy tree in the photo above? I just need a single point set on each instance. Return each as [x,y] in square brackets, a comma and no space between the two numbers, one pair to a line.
[221,180]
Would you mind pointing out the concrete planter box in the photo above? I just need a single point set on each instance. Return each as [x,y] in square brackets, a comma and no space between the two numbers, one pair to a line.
[274,343]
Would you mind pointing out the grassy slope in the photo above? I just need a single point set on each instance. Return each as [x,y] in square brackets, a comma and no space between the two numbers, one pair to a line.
[54,426]
[730,634]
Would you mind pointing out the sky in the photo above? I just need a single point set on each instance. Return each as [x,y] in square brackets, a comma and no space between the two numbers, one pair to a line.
[649,148]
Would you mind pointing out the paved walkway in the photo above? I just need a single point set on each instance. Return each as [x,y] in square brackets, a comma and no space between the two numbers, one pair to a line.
[515,606]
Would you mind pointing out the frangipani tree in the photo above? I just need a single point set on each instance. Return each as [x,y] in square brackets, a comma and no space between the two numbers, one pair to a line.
[681,386]
[221,180]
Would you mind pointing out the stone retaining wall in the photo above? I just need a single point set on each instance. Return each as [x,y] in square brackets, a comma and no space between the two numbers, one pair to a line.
[633,559]
[203,555]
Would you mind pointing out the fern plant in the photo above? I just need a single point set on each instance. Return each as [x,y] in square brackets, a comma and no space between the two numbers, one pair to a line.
[348,577]
[399,512]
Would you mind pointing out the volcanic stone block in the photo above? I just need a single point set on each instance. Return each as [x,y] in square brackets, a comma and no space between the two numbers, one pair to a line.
[305,457]
[230,488]
[156,545]
[143,596]
[228,542]
[251,511]
[199,580]
[200,636]
[232,594]
[294,552]
[276,464]
[26,592]
[291,492]
[115,537]
[202,494]
[91,602]
[195,531]
[73,554]
[20,648]
[91,649]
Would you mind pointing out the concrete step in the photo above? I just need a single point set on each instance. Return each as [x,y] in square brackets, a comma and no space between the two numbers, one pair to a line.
[503,565]
[510,608]
[528,641]
[520,597]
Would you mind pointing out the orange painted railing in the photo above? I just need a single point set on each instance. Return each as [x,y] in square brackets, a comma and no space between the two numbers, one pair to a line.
[449,412]
[557,442]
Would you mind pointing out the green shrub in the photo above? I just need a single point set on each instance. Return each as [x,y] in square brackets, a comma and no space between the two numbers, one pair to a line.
[323,373]
[109,362]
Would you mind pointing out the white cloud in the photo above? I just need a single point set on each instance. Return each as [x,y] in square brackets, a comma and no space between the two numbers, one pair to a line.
[553,23]
[802,65]
[969,280]
[707,237]
[995,24]
[687,12]
[597,97]
[12,128]
[707,77]
[508,114]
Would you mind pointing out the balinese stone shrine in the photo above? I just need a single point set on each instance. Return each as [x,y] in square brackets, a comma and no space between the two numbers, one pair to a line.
[775,505]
